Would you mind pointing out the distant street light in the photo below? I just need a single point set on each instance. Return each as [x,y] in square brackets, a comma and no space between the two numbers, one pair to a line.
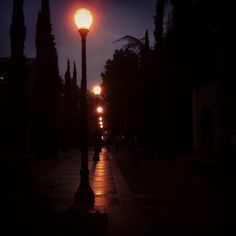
[97,91]
[83,20]
[99,109]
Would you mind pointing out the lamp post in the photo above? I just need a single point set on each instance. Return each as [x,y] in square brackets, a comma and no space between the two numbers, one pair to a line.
[83,20]
[97,91]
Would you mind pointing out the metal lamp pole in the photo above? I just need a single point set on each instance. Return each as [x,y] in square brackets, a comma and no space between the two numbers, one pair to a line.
[84,193]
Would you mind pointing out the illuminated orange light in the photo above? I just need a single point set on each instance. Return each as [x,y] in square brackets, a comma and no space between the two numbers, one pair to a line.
[83,19]
[97,90]
[100,118]
[99,110]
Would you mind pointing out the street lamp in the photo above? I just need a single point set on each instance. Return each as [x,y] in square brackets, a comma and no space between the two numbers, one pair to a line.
[83,20]
[97,91]
[99,109]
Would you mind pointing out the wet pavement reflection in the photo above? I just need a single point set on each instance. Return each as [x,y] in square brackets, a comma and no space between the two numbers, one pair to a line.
[101,181]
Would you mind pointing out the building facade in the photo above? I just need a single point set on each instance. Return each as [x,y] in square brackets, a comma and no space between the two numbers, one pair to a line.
[214,118]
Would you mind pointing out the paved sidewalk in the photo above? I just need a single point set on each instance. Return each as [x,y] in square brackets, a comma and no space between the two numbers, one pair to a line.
[112,196]
[165,198]
[180,197]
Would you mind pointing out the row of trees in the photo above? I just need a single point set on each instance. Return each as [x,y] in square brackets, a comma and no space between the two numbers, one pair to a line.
[71,109]
[149,90]
[47,117]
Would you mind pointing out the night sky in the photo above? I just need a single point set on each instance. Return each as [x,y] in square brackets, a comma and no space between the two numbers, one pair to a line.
[112,20]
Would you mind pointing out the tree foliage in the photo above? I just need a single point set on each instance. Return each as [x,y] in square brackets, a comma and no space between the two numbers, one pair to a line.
[184,56]
[46,93]
[71,110]
[120,80]
[18,80]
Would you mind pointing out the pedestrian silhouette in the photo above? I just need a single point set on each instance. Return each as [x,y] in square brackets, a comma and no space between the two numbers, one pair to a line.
[97,148]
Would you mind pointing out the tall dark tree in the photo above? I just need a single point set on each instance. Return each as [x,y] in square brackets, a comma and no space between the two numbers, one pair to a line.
[149,83]
[165,86]
[148,93]
[137,95]
[67,137]
[161,69]
[145,54]
[18,80]
[176,97]
[75,108]
[158,21]
[46,97]
[120,86]
[71,110]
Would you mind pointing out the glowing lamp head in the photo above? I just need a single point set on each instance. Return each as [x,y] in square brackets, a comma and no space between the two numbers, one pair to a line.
[97,90]
[83,19]
[99,109]
[100,118]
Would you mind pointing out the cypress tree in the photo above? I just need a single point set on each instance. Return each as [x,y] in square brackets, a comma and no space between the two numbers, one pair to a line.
[164,91]
[74,75]
[158,21]
[18,80]
[146,86]
[68,108]
[178,87]
[46,94]
[148,68]
[75,107]
[145,53]
[71,110]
